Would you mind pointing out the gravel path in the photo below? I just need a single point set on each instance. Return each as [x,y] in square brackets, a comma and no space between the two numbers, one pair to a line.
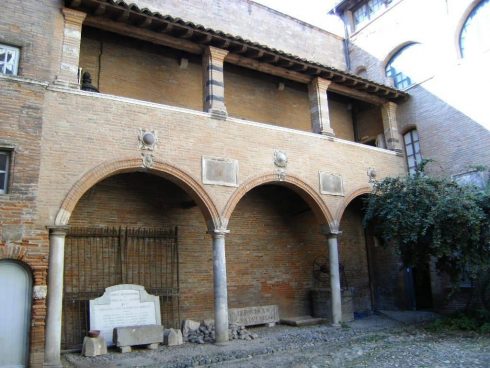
[371,342]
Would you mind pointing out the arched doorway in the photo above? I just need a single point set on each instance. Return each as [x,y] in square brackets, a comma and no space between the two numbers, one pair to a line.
[123,229]
[15,313]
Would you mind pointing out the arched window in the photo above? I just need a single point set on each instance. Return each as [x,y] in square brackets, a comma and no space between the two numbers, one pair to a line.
[412,150]
[408,66]
[475,34]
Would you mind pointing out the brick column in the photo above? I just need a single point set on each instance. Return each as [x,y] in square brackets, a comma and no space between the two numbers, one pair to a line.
[333,255]
[213,81]
[52,347]
[390,126]
[220,286]
[320,118]
[70,52]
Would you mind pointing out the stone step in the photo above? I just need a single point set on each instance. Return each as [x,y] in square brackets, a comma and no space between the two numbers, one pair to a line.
[302,321]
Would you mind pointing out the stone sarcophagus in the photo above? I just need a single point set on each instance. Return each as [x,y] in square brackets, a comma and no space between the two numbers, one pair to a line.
[251,316]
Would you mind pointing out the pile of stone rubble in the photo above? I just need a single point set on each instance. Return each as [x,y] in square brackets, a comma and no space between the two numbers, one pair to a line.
[203,332]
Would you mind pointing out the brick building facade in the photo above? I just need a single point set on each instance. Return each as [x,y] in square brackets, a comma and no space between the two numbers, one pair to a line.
[202,117]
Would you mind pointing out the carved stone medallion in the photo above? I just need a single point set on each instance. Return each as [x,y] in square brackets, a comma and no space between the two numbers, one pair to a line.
[280,159]
[148,139]
[371,173]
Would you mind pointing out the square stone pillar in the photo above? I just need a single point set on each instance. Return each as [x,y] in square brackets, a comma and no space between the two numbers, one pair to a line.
[390,126]
[213,81]
[70,52]
[320,118]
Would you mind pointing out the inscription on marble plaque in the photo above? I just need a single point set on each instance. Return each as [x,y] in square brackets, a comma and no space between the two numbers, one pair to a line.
[220,171]
[121,306]
[331,184]
[254,315]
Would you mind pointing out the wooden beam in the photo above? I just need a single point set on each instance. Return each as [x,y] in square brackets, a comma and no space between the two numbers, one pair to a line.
[241,49]
[166,27]
[204,38]
[299,67]
[145,23]
[187,34]
[270,58]
[123,18]
[225,43]
[100,9]
[266,68]
[143,34]
[255,53]
[353,93]
[285,63]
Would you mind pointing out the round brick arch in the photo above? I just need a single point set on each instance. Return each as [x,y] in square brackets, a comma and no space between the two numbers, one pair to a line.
[159,168]
[348,200]
[307,193]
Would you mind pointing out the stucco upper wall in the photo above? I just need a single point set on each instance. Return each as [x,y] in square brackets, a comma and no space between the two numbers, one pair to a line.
[256,23]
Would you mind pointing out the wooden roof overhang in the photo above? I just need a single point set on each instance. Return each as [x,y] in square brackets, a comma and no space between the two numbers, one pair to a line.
[128,19]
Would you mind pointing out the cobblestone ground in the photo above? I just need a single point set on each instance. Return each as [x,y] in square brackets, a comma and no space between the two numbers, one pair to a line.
[371,342]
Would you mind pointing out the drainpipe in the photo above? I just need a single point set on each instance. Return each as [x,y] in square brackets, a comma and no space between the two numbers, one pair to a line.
[346,45]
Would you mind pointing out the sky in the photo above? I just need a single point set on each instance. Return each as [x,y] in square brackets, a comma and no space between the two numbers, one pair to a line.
[310,11]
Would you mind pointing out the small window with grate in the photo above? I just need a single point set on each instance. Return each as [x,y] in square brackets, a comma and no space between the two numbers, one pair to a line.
[4,170]
[412,150]
[9,59]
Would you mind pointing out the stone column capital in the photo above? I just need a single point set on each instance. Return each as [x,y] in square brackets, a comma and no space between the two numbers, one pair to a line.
[334,234]
[321,83]
[215,53]
[329,233]
[59,230]
[218,232]
[73,16]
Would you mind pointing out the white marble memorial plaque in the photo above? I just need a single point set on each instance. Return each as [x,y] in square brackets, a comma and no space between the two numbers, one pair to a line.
[122,306]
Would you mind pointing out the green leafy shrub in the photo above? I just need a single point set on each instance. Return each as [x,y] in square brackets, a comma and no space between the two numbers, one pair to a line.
[427,219]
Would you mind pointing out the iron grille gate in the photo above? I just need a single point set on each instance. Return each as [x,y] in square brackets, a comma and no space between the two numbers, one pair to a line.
[96,258]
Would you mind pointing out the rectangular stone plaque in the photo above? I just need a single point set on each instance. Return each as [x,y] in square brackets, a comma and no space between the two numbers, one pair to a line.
[121,306]
[331,184]
[220,171]
[251,316]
